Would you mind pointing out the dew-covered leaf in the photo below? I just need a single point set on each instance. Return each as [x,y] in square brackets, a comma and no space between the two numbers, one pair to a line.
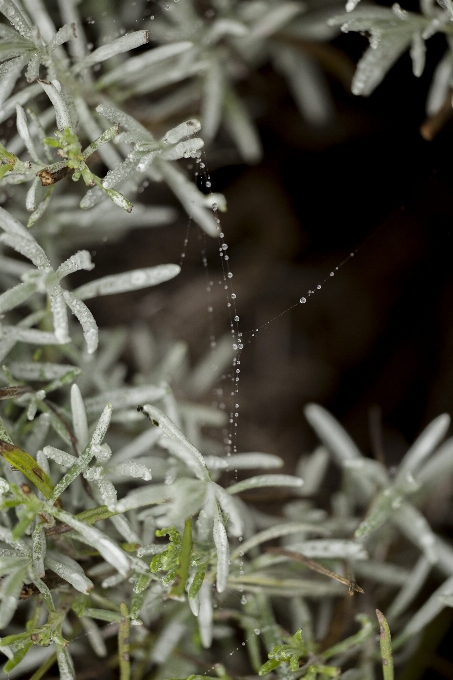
[59,456]
[244,461]
[42,207]
[24,132]
[78,261]
[29,248]
[265,480]
[65,33]
[65,663]
[189,148]
[16,16]
[130,468]
[186,129]
[185,454]
[275,532]
[377,60]
[39,549]
[205,615]
[15,296]
[103,138]
[11,588]
[145,495]
[115,115]
[229,506]
[12,226]
[60,315]
[124,398]
[132,280]
[191,198]
[86,320]
[332,548]
[222,549]
[123,44]
[85,458]
[106,547]
[79,417]
[41,371]
[61,110]
[169,428]
[135,65]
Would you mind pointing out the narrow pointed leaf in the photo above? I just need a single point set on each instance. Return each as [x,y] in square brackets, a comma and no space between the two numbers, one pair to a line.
[61,109]
[79,417]
[29,248]
[28,466]
[265,480]
[133,280]
[123,44]
[81,260]
[86,319]
[222,549]
[106,547]
[423,446]
[11,588]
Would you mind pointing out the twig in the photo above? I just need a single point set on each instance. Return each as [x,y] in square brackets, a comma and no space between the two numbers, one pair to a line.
[315,566]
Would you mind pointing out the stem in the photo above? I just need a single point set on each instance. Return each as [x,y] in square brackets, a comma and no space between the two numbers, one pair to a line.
[386,646]
[124,643]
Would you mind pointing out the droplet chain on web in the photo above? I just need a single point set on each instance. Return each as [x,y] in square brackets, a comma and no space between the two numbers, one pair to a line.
[303,299]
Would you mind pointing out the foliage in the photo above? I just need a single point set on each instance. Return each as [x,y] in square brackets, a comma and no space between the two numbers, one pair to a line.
[118,530]
[393,31]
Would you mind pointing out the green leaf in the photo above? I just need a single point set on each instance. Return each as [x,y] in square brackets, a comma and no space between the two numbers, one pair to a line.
[17,658]
[184,559]
[95,514]
[51,141]
[268,666]
[119,199]
[5,168]
[198,579]
[23,462]
[5,155]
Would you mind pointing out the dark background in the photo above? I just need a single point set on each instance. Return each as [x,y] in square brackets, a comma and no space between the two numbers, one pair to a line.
[379,333]
[375,344]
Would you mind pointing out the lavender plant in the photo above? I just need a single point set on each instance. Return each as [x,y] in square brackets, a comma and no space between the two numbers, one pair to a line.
[393,31]
[120,538]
